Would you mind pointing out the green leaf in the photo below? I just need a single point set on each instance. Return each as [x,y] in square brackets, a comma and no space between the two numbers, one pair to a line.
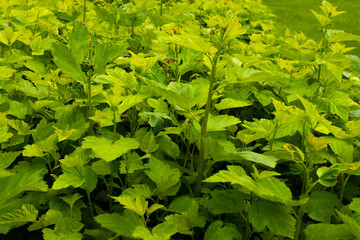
[138,204]
[154,207]
[233,29]
[79,38]
[187,220]
[352,224]
[167,179]
[40,45]
[323,20]
[227,103]
[7,158]
[70,200]
[101,55]
[90,178]
[262,128]
[123,225]
[6,73]
[338,145]
[327,176]
[27,213]
[167,146]
[220,122]
[70,178]
[321,206]
[143,64]
[67,63]
[180,204]
[341,36]
[192,42]
[18,109]
[355,205]
[51,217]
[218,231]
[162,231]
[336,103]
[224,201]
[328,231]
[8,36]
[146,140]
[269,188]
[138,190]
[33,151]
[79,158]
[65,228]
[182,95]
[273,215]
[132,163]
[224,151]
[12,186]
[101,168]
[108,150]
[128,102]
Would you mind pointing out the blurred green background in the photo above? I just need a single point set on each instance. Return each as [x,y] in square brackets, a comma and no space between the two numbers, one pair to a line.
[296,15]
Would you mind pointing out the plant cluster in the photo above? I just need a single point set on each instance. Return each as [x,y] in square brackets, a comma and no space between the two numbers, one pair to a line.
[170,119]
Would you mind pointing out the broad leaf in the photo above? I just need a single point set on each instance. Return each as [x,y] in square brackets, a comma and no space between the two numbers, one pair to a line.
[108,150]
[321,206]
[167,179]
[123,225]
[27,213]
[162,231]
[220,122]
[224,201]
[336,103]
[220,231]
[275,216]
[352,224]
[79,39]
[328,231]
[187,220]
[67,63]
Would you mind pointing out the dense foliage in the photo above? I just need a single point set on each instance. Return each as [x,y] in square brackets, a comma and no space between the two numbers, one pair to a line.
[168,119]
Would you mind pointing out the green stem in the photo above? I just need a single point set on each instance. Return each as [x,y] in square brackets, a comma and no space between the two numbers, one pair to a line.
[298,224]
[343,181]
[132,25]
[114,125]
[84,9]
[161,7]
[273,137]
[110,193]
[90,203]
[116,23]
[36,23]
[89,92]
[177,63]
[204,127]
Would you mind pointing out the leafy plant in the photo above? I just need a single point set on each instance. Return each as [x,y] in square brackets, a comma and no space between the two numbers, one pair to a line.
[175,120]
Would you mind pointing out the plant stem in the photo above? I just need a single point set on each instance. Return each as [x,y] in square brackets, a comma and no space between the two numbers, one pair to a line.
[204,126]
[343,181]
[177,63]
[36,23]
[161,7]
[89,92]
[273,137]
[298,223]
[114,124]
[90,203]
[132,25]
[110,193]
[84,9]
[116,23]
